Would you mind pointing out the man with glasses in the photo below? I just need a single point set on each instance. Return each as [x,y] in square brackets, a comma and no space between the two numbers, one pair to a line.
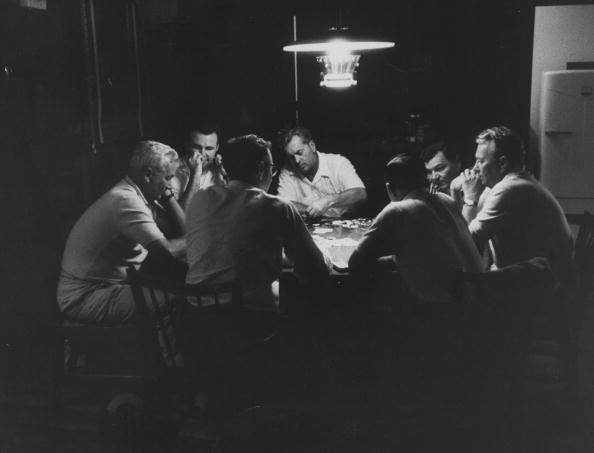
[318,184]
[239,232]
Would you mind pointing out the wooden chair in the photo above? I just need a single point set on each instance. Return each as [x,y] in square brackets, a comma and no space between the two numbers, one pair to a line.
[516,310]
[94,355]
[210,322]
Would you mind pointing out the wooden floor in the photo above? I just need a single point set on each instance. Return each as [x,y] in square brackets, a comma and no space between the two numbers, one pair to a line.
[361,410]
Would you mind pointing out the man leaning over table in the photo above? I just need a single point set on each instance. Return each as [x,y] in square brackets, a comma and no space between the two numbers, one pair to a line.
[424,231]
[318,184]
[116,231]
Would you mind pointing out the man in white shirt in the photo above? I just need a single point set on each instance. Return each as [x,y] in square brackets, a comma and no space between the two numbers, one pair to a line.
[318,184]
[520,217]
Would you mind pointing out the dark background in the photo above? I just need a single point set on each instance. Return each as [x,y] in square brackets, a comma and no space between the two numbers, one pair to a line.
[154,66]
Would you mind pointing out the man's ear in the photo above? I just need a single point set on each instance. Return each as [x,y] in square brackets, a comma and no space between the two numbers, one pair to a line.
[312,144]
[148,173]
[391,194]
[503,163]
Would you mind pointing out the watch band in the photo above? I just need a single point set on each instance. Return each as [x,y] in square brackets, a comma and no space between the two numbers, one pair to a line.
[469,202]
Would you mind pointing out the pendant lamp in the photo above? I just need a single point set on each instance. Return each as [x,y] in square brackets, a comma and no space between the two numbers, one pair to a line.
[338,58]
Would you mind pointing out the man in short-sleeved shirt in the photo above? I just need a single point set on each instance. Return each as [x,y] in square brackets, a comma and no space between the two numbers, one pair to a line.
[425,233]
[238,232]
[115,232]
[520,217]
[318,184]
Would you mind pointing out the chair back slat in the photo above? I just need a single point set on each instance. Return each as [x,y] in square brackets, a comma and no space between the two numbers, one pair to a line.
[155,297]
[171,290]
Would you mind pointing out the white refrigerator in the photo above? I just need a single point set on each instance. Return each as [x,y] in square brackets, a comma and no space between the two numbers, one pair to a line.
[566,138]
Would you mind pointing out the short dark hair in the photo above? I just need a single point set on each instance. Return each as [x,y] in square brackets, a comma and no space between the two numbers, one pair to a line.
[242,156]
[449,152]
[297,131]
[406,171]
[507,143]
[204,129]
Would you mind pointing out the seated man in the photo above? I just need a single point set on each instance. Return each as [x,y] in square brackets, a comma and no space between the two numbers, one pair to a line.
[117,231]
[443,164]
[443,167]
[520,218]
[239,231]
[318,184]
[200,166]
[424,231]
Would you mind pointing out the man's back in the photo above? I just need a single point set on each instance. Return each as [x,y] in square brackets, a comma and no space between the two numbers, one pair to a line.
[430,240]
[239,231]
[523,220]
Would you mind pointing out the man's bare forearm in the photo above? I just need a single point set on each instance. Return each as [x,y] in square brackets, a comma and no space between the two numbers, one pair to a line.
[349,198]
[191,189]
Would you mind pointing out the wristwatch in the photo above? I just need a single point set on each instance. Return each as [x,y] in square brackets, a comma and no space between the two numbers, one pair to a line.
[469,202]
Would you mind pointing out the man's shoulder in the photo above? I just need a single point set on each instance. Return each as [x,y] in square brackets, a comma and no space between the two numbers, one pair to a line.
[276,201]
[334,159]
[514,185]
[394,209]
[123,194]
[286,173]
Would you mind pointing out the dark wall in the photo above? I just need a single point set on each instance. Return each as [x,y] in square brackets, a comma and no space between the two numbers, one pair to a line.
[464,66]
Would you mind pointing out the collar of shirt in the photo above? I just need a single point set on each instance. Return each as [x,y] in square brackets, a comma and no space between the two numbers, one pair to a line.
[137,189]
[513,174]
[242,185]
[323,170]
[416,194]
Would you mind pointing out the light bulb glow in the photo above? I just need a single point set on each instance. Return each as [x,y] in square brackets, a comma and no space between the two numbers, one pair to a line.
[338,45]
[339,69]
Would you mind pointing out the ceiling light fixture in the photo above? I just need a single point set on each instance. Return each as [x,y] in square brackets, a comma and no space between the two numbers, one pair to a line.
[339,62]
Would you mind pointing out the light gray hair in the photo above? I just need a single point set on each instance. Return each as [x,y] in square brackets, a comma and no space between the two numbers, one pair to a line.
[152,154]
